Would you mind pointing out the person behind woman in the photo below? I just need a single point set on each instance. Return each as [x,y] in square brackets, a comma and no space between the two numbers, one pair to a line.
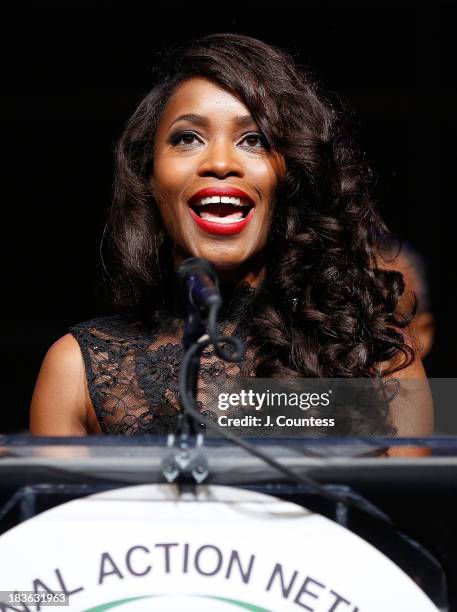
[239,157]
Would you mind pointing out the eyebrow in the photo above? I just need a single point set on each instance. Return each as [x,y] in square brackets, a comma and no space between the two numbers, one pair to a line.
[240,120]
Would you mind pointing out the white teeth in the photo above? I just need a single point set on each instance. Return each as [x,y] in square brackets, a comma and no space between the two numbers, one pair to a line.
[233,218]
[220,199]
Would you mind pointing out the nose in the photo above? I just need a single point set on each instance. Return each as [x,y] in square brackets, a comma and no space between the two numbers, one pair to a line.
[220,160]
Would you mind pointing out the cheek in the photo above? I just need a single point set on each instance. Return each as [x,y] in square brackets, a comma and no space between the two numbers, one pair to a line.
[170,178]
[268,176]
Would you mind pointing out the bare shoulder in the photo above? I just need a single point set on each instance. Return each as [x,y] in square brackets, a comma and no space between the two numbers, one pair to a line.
[60,397]
[65,352]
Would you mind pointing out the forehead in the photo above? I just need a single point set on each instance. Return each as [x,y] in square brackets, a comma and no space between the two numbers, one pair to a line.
[203,97]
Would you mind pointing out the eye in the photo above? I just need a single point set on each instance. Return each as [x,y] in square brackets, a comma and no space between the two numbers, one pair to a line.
[184,138]
[255,141]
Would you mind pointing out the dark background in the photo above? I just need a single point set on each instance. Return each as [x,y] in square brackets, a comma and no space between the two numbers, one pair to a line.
[71,75]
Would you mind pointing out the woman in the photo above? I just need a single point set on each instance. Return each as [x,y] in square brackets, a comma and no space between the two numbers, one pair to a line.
[238,158]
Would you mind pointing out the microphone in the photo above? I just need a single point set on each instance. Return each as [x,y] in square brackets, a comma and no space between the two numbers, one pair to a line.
[199,283]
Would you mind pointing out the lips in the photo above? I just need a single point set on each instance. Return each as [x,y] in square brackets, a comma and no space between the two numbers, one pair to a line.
[221,229]
[227,214]
[231,192]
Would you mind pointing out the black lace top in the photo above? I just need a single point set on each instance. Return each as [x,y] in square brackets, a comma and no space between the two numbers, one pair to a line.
[132,367]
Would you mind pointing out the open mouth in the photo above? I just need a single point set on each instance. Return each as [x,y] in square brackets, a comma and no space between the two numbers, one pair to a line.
[221,209]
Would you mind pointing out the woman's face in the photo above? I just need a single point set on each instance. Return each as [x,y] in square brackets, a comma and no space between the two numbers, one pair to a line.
[213,179]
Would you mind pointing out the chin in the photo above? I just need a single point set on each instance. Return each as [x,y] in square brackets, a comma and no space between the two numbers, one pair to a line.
[231,263]
[222,261]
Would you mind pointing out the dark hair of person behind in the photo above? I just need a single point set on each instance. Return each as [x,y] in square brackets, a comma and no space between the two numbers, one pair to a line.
[321,252]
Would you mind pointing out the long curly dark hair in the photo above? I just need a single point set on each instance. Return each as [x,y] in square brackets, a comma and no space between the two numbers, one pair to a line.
[325,308]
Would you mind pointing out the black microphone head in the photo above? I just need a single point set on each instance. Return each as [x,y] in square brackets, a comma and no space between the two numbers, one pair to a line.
[195,265]
[198,283]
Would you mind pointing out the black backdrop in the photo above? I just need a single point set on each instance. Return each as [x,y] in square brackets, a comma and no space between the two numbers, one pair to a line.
[71,76]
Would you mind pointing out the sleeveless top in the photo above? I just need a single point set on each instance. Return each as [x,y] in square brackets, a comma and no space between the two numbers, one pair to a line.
[132,369]
[132,366]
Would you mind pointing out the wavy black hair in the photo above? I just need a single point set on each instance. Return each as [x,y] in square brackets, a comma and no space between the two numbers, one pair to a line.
[325,308]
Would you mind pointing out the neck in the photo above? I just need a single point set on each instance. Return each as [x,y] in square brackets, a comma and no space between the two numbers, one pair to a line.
[231,278]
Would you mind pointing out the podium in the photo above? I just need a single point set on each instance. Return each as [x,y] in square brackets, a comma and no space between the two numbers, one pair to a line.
[414,498]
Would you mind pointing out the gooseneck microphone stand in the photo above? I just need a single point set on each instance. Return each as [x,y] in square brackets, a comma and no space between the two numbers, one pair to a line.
[198,283]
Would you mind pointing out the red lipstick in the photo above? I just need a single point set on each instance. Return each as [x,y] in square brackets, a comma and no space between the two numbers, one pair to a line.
[221,229]
[231,192]
[227,228]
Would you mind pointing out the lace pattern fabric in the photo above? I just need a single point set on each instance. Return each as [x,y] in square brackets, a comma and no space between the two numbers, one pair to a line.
[132,368]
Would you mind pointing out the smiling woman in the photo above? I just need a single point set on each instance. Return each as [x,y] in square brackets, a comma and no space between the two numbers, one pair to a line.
[235,156]
[214,175]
